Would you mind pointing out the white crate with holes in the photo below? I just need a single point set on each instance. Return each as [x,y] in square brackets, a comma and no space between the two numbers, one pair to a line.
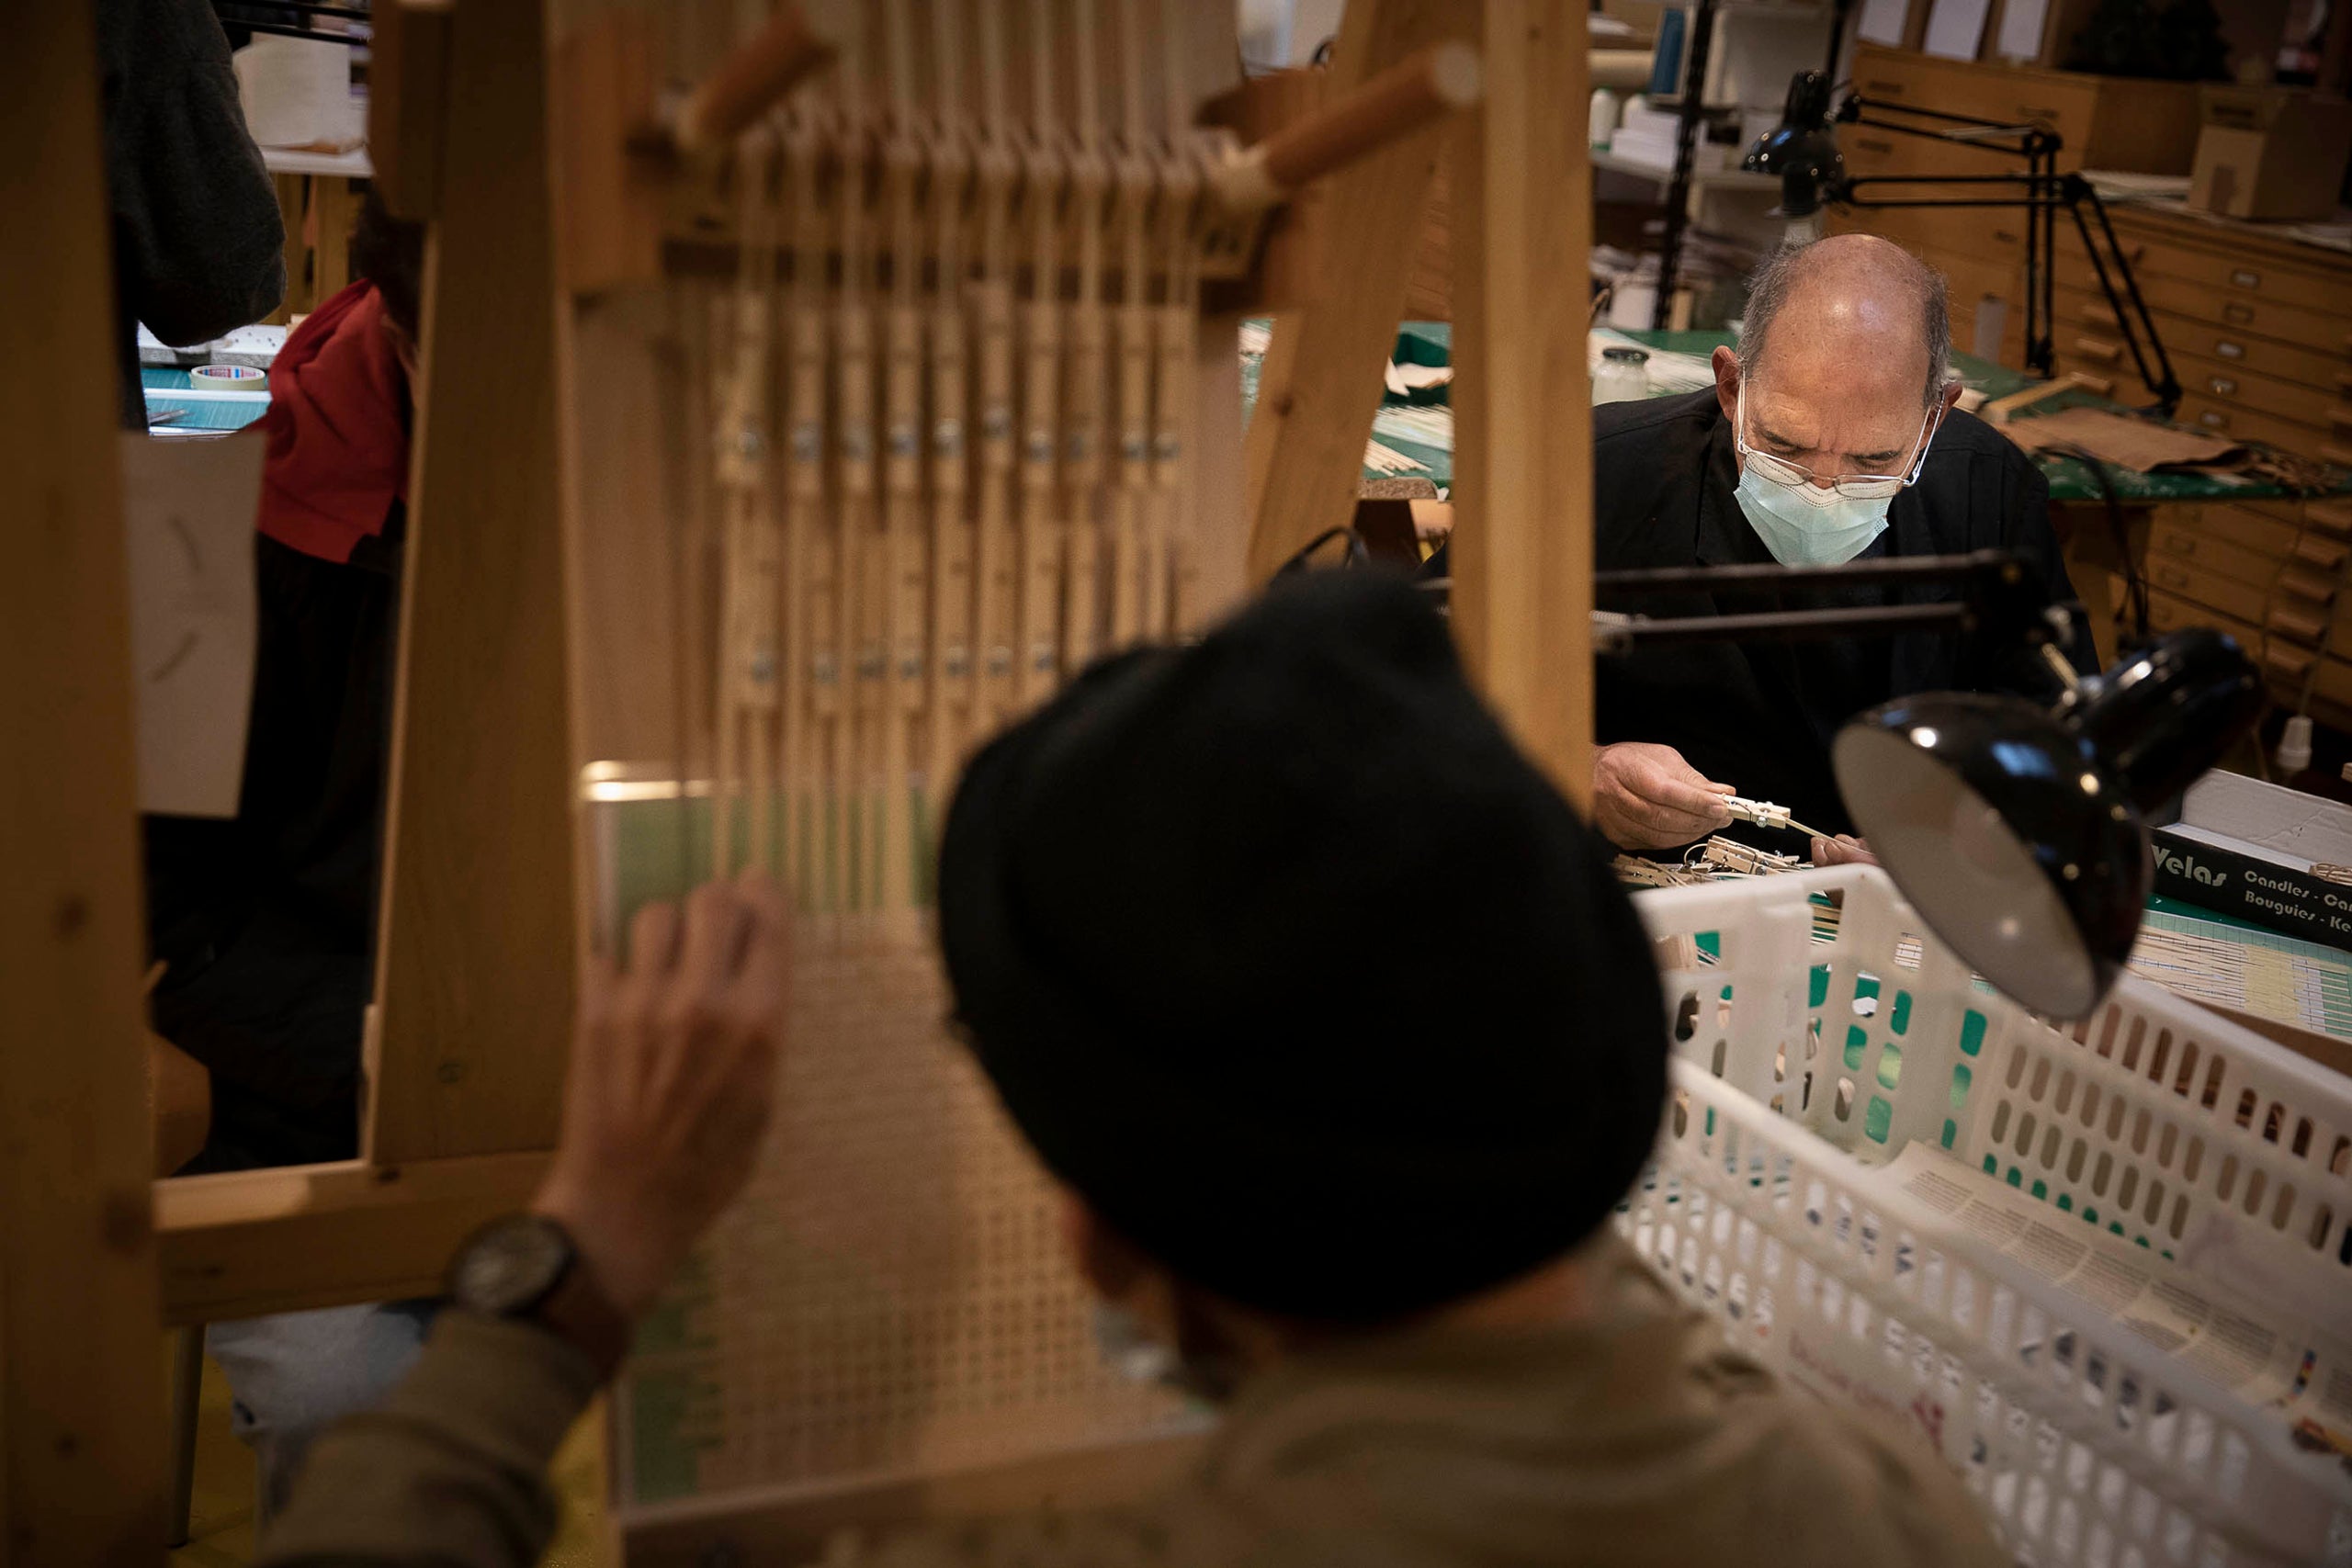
[1821,1032]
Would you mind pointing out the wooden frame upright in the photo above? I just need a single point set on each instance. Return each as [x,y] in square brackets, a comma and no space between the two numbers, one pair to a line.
[478,943]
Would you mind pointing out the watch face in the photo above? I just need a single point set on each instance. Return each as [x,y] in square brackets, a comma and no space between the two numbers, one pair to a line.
[510,1267]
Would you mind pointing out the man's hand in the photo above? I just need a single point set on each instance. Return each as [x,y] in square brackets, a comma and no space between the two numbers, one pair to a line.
[672,1065]
[1645,796]
[1843,849]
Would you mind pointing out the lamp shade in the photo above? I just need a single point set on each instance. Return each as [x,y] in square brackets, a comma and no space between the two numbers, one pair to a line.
[2021,833]
[1802,149]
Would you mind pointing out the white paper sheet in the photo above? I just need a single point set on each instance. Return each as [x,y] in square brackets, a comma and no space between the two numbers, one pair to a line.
[188,509]
[1955,28]
[2021,23]
[1883,21]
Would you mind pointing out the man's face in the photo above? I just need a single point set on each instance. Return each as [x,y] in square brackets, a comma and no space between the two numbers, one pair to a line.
[1837,391]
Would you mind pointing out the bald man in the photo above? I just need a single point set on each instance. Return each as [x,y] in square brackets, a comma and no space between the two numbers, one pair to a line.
[1830,437]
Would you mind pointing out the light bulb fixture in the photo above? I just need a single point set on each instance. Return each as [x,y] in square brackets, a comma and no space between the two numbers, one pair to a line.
[1802,150]
[2021,833]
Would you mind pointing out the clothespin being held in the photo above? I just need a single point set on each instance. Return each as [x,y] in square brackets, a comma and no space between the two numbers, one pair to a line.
[1764,814]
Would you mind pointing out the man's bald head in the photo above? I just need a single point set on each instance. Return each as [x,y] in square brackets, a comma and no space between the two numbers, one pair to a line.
[1854,299]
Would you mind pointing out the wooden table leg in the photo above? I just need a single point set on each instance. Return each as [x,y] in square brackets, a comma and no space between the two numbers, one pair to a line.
[2088,541]
[298,252]
[334,205]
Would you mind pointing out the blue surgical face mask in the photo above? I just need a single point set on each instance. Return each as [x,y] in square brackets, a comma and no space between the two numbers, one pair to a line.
[1807,525]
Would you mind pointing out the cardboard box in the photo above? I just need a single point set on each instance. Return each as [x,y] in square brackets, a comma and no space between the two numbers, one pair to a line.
[2245,849]
[2271,152]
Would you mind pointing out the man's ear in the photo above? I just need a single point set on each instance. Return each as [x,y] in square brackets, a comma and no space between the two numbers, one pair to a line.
[1726,365]
[1951,395]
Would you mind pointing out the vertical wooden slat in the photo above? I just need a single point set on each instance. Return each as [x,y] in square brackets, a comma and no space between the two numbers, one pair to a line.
[1321,383]
[1522,458]
[81,1392]
[475,974]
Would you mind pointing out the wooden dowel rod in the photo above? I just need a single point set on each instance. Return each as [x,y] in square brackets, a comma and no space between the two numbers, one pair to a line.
[750,81]
[1397,102]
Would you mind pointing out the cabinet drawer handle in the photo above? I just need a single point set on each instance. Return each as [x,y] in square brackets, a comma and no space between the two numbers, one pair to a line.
[2221,385]
[2213,419]
[2098,385]
[2242,314]
[2307,585]
[2320,552]
[2286,660]
[1891,90]
[2172,577]
[2096,348]
[2333,515]
[2243,279]
[2295,622]
[2099,315]
[2228,350]
[2029,112]
[1872,144]
[2183,545]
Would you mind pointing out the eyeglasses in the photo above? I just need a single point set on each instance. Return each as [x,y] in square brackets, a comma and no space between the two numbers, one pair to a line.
[1854,487]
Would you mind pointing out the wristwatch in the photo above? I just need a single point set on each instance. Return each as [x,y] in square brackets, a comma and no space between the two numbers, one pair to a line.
[527,1268]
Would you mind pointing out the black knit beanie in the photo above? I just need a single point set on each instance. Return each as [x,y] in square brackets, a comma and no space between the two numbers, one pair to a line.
[1287,961]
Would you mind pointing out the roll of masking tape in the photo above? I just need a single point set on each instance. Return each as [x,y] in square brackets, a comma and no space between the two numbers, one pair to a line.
[229,379]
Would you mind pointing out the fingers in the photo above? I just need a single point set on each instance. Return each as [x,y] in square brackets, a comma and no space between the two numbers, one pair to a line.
[652,949]
[1691,797]
[718,925]
[1843,849]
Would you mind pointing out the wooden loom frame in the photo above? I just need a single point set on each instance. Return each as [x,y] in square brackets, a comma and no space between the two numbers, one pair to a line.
[477,870]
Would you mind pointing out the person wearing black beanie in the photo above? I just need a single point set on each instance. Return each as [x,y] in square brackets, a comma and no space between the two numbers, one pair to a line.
[1287,916]
[1322,1005]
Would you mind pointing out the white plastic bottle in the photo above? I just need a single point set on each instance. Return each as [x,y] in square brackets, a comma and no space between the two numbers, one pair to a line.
[1604,117]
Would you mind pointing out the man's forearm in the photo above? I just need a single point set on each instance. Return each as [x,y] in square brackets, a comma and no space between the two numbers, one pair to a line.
[452,1471]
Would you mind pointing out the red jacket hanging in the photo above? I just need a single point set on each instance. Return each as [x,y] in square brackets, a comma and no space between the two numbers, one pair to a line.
[337,428]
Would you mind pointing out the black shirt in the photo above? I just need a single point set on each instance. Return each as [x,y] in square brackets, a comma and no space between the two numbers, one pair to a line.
[1759,717]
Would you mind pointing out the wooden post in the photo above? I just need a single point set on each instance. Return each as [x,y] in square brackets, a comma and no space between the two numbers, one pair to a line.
[1321,383]
[81,1467]
[1522,458]
[474,978]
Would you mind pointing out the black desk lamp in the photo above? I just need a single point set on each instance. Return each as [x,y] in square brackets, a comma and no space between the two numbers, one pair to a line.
[1803,151]
[2018,831]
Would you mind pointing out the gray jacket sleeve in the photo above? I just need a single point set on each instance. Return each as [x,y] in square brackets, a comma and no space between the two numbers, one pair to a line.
[198,245]
[451,1472]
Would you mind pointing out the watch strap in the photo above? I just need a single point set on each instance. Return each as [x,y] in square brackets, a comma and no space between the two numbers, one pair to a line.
[578,1311]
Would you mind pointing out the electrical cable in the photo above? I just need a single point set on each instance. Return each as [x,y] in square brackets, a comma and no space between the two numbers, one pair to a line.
[2135,586]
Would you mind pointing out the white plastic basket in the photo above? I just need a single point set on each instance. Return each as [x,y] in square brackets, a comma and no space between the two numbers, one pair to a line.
[1819,1030]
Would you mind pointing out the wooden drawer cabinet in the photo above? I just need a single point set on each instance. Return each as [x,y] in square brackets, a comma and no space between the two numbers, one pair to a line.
[2181,542]
[2102,123]
[2218,269]
[1986,233]
[2212,589]
[2171,613]
[2252,390]
[2239,423]
[2084,313]
[2237,317]
[2259,531]
[2333,515]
